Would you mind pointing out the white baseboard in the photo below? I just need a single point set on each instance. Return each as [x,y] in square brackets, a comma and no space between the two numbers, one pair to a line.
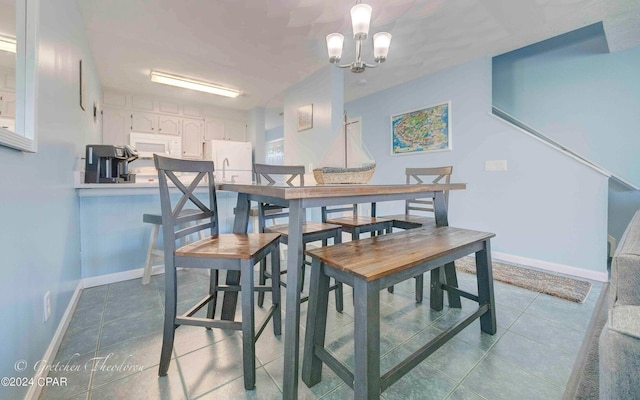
[552,267]
[119,276]
[35,390]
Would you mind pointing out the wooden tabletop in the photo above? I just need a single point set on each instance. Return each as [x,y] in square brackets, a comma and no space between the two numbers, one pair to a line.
[311,192]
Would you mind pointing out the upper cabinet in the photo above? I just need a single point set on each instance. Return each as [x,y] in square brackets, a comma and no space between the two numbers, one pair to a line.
[116,125]
[125,113]
[220,129]
[144,122]
[169,125]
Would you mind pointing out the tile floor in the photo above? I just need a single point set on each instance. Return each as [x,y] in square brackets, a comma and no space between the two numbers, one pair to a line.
[112,347]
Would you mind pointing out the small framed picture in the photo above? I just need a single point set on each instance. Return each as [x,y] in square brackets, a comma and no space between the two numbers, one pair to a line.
[305,117]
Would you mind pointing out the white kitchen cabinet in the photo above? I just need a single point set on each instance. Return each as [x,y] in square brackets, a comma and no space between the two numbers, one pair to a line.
[221,129]
[7,105]
[144,122]
[142,103]
[213,129]
[116,125]
[192,138]
[235,130]
[168,125]
[115,99]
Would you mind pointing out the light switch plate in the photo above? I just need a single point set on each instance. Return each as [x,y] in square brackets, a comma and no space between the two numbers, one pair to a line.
[495,165]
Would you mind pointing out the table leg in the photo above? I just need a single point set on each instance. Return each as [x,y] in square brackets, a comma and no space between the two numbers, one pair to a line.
[292,315]
[440,207]
[240,225]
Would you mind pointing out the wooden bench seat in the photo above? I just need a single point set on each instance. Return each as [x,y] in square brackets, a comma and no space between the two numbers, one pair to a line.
[372,264]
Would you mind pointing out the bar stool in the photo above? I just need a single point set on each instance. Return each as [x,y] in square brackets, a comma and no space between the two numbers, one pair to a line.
[154,253]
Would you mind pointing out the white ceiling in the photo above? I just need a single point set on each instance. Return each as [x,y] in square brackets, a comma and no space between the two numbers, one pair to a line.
[264,46]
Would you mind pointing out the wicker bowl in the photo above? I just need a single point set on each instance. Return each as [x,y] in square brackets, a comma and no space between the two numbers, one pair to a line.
[326,176]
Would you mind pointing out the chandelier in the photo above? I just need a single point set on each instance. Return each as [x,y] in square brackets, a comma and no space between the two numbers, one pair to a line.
[360,20]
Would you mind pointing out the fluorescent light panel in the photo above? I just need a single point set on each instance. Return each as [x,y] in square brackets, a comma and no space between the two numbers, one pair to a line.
[187,83]
[8,44]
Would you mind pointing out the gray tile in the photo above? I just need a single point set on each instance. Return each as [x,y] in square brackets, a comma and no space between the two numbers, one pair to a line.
[130,327]
[536,358]
[329,382]
[125,289]
[191,338]
[564,312]
[75,372]
[422,382]
[143,302]
[91,297]
[86,317]
[456,358]
[265,389]
[462,393]
[213,366]
[513,296]
[143,385]
[550,333]
[127,358]
[497,379]
[474,336]
[78,342]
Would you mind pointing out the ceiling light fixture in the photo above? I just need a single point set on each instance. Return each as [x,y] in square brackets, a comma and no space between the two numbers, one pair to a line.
[360,20]
[8,44]
[188,83]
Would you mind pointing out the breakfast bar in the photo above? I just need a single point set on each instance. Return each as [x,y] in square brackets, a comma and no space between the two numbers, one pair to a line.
[297,199]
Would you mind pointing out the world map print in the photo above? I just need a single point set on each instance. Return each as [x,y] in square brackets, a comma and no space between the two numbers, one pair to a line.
[421,130]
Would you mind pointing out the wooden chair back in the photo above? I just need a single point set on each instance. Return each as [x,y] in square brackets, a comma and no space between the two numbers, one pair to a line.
[175,223]
[426,176]
[273,174]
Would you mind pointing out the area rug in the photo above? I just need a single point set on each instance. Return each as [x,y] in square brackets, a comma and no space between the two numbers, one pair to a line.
[543,282]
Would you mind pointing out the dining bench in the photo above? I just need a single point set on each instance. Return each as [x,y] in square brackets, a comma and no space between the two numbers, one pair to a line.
[372,264]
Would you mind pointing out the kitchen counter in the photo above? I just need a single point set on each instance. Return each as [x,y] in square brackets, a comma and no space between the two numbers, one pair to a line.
[113,237]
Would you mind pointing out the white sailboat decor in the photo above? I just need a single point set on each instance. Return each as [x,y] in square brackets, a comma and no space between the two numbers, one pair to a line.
[348,160]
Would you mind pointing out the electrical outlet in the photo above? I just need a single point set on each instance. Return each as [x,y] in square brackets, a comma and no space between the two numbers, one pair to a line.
[47,306]
[495,165]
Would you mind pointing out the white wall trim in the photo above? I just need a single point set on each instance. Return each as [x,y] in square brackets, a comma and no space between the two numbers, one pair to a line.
[552,267]
[35,390]
[119,276]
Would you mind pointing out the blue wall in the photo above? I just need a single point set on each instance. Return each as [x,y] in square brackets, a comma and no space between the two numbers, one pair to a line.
[545,208]
[573,90]
[39,239]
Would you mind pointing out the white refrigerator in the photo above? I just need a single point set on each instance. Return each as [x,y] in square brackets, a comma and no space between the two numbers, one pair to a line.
[232,161]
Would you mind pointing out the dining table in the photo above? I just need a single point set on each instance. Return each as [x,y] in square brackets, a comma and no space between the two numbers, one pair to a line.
[297,199]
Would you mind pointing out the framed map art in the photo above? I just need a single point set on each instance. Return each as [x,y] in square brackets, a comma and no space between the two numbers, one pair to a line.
[422,131]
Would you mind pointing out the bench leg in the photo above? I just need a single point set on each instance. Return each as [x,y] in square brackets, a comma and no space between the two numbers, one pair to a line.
[367,341]
[248,327]
[339,286]
[316,323]
[452,280]
[419,287]
[275,291]
[435,289]
[485,288]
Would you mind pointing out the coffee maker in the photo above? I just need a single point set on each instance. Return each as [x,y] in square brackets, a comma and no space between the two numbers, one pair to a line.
[109,164]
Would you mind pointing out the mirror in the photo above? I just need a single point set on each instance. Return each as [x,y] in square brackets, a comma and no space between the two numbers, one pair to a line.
[18,74]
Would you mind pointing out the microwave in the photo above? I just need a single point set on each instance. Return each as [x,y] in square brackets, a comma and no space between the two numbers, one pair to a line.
[148,144]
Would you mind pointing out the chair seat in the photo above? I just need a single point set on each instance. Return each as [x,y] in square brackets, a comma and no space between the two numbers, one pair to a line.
[307,228]
[228,245]
[412,219]
[359,221]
